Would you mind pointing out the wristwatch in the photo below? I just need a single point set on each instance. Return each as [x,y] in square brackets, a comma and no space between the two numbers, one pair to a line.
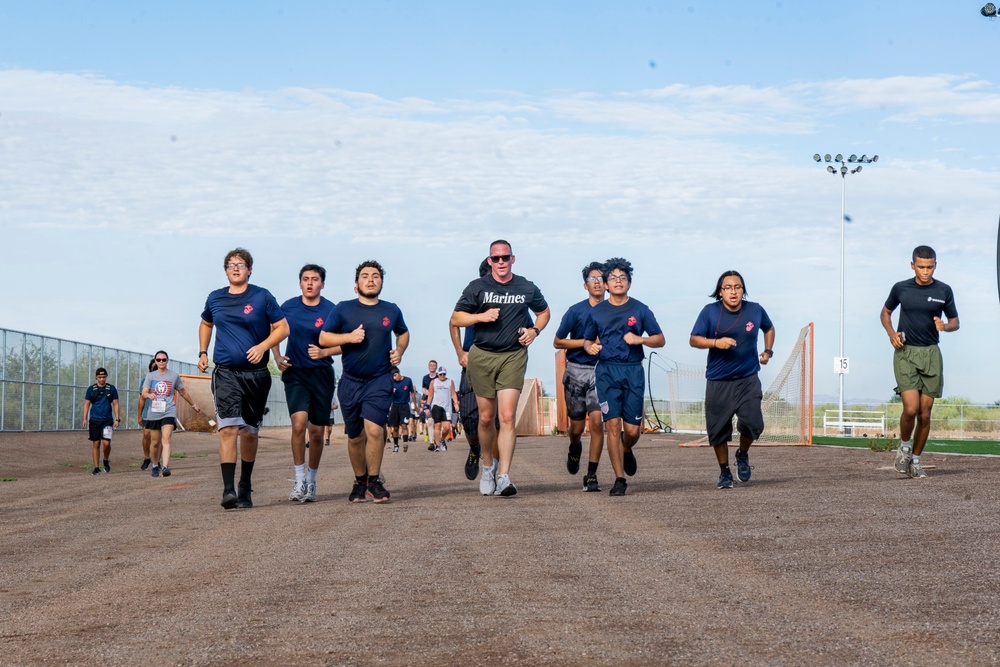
[536,330]
[769,352]
[205,352]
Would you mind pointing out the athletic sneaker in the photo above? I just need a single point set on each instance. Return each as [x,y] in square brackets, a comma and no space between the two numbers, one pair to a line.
[619,488]
[504,486]
[107,466]
[156,471]
[298,491]
[573,458]
[395,448]
[444,446]
[488,481]
[326,442]
[228,499]
[310,494]
[725,481]
[743,465]
[916,471]
[432,447]
[590,483]
[145,464]
[630,463]
[165,471]
[902,462]
[359,494]
[244,500]
[97,471]
[472,464]
[378,492]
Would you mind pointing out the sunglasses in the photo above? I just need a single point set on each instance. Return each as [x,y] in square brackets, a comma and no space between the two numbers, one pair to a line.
[501,258]
[160,361]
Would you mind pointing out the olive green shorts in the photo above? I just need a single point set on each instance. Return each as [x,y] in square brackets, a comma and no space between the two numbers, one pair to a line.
[920,368]
[489,372]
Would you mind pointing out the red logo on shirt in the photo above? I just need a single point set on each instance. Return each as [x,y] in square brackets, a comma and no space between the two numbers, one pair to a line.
[247,309]
[319,322]
[631,321]
[749,326]
[385,321]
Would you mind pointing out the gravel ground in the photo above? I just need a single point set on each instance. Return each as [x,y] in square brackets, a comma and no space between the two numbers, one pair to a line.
[827,557]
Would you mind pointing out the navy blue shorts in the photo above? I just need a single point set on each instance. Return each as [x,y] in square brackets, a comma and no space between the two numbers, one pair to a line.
[309,390]
[364,399]
[619,390]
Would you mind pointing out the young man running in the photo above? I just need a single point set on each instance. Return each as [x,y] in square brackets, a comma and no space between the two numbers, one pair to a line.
[403,396]
[307,375]
[426,425]
[614,332]
[363,328]
[728,329]
[247,322]
[578,380]
[498,304]
[442,398]
[917,361]
[158,388]
[101,415]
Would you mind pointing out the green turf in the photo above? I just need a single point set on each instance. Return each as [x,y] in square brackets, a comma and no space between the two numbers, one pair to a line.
[933,444]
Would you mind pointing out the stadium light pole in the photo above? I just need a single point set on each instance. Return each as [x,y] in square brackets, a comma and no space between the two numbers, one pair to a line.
[989,10]
[840,363]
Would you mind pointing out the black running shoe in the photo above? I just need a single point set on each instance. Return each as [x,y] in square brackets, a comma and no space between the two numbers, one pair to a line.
[472,464]
[228,499]
[107,466]
[590,483]
[359,492]
[630,463]
[97,471]
[573,458]
[145,464]
[244,499]
[377,491]
[743,465]
[619,488]
[165,471]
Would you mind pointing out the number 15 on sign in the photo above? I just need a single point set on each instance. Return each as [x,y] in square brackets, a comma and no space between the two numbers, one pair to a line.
[841,365]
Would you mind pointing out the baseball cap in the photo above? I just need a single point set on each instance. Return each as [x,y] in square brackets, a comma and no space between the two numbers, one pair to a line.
[442,370]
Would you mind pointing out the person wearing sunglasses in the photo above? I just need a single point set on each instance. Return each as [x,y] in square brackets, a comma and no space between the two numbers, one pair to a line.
[158,388]
[497,304]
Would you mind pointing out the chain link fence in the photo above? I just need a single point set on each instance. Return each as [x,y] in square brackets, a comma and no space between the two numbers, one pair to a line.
[43,382]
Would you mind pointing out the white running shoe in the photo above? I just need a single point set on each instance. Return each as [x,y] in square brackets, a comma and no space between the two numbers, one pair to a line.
[504,486]
[902,462]
[310,495]
[298,491]
[487,481]
[916,471]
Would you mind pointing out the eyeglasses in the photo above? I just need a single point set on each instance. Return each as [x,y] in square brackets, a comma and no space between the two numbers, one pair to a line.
[617,279]
[501,258]
[233,267]
[595,279]
[160,361]
[732,288]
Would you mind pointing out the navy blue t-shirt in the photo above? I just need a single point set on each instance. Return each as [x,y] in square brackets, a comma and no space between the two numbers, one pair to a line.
[610,323]
[920,305]
[100,399]
[304,324]
[401,391]
[571,326]
[369,358]
[743,326]
[241,321]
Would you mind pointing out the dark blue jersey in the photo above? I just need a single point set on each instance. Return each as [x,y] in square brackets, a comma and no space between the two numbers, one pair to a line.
[241,321]
[571,326]
[100,399]
[920,305]
[304,324]
[743,326]
[402,390]
[369,358]
[610,323]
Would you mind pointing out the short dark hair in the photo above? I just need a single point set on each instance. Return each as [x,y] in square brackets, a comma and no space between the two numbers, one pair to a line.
[163,352]
[242,253]
[484,267]
[590,268]
[395,370]
[369,264]
[924,252]
[502,242]
[101,371]
[717,294]
[313,267]
[619,263]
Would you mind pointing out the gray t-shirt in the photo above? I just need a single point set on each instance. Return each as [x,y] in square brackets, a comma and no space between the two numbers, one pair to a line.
[161,389]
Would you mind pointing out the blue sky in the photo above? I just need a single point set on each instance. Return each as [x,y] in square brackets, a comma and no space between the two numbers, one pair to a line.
[139,143]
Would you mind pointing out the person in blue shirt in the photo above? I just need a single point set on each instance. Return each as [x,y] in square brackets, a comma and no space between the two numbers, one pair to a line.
[728,329]
[247,322]
[307,375]
[363,328]
[404,396]
[101,415]
[614,332]
[579,383]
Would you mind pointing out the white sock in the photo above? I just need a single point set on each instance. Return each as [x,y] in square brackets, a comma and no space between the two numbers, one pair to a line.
[300,473]
[915,459]
[905,444]
[311,475]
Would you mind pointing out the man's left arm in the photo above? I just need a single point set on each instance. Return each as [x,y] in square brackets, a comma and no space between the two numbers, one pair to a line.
[765,356]
[114,404]
[396,355]
[531,333]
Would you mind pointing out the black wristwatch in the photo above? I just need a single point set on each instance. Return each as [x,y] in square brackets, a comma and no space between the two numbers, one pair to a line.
[769,352]
[205,352]
[536,330]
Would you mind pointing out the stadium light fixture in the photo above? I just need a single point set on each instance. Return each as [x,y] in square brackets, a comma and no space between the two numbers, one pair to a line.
[841,365]
[989,10]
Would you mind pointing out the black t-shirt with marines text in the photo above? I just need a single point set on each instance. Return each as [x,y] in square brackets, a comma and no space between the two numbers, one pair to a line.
[513,298]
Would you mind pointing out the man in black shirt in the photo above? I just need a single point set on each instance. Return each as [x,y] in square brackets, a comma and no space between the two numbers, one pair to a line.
[917,360]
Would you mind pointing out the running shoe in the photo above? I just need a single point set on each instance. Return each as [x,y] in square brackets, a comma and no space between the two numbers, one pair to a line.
[107,466]
[488,481]
[165,471]
[156,471]
[228,499]
[326,443]
[590,483]
[444,446]
[145,464]
[573,457]
[743,465]
[378,492]
[395,448]
[359,494]
[472,464]
[504,486]
[298,492]
[902,462]
[725,481]
[244,500]
[310,494]
[97,471]
[619,488]
[630,463]
[432,447]
[916,471]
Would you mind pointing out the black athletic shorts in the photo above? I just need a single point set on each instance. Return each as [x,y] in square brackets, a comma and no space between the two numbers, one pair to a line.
[309,390]
[725,399]
[399,414]
[96,429]
[438,414]
[157,424]
[240,396]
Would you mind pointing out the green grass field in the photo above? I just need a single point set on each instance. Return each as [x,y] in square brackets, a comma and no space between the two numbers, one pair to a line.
[933,444]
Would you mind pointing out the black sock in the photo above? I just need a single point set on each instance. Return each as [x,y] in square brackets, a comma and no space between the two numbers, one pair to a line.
[229,476]
[372,478]
[246,471]
[395,441]
[592,468]
[474,447]
[724,467]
